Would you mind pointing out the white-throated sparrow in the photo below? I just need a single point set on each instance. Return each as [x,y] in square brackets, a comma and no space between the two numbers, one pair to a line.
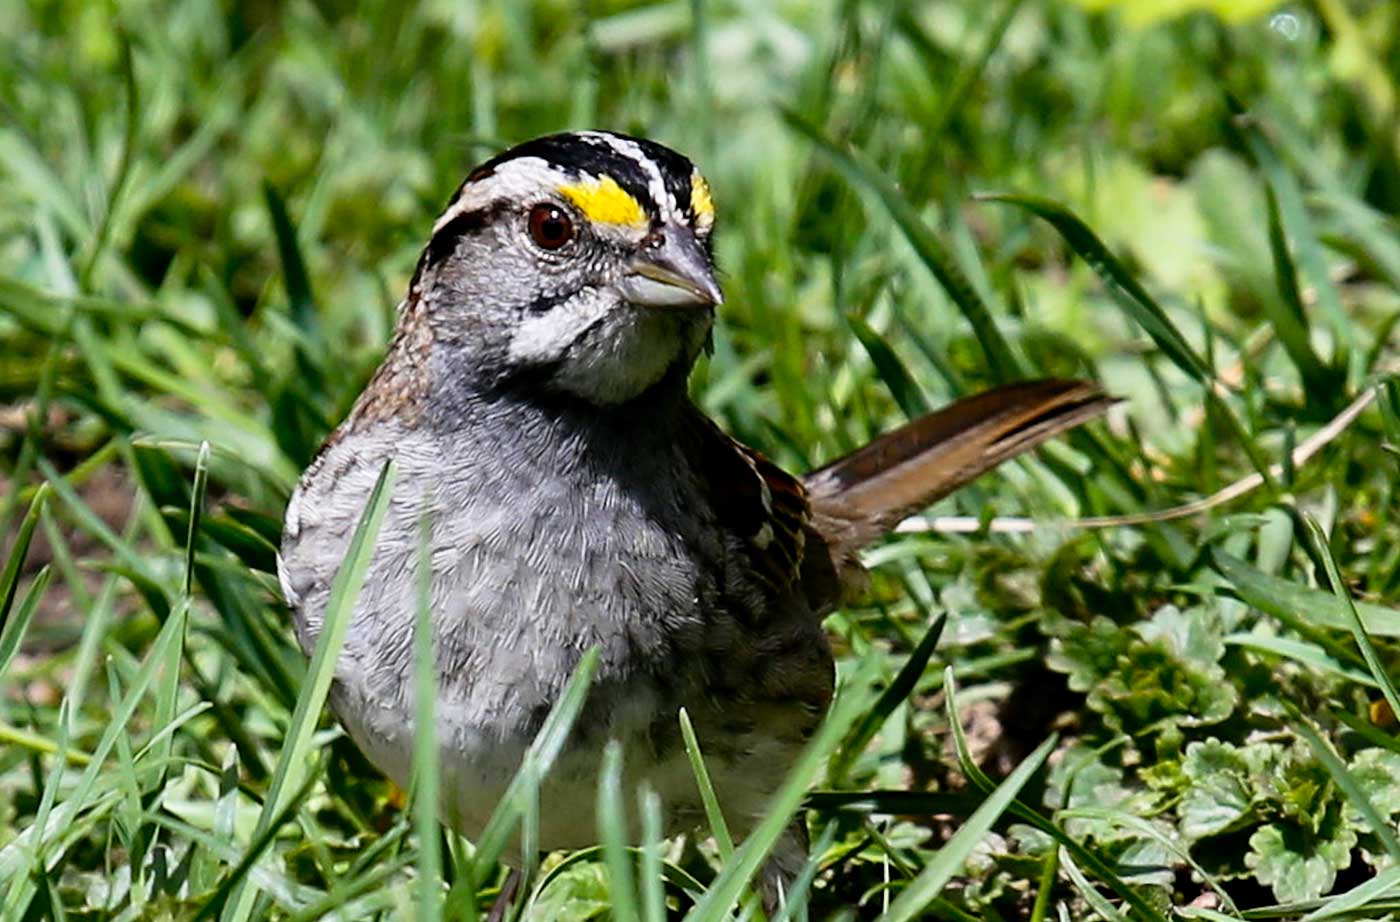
[534,398]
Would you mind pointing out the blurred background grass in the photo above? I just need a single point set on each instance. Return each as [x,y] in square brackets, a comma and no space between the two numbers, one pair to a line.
[208,212]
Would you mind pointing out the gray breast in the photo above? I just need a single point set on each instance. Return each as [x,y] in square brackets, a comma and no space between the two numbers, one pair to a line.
[545,542]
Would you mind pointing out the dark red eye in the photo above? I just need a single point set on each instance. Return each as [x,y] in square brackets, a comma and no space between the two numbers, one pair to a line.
[550,227]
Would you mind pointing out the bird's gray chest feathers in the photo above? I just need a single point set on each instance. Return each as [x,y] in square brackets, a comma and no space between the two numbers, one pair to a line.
[550,533]
[570,538]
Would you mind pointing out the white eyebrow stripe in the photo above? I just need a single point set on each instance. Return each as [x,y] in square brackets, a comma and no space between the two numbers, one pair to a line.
[515,180]
[656,185]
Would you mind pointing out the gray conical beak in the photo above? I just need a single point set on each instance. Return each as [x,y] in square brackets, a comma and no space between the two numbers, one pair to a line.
[672,270]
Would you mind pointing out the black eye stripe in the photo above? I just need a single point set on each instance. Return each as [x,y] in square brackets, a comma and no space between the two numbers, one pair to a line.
[444,241]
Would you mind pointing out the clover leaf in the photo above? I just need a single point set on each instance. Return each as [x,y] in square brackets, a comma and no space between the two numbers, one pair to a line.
[1156,677]
[1218,794]
[1297,867]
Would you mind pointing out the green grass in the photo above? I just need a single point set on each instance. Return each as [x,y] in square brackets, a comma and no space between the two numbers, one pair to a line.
[209,211]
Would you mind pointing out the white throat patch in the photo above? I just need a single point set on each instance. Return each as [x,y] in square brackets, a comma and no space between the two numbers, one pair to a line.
[622,350]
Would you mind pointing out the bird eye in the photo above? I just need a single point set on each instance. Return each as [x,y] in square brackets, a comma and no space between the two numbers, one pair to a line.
[550,227]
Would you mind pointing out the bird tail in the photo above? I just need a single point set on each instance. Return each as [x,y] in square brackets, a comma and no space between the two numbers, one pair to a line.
[858,498]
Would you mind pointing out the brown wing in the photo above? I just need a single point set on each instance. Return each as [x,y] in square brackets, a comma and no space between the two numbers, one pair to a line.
[757,501]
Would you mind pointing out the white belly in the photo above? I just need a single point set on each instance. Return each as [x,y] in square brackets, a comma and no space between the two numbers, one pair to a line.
[476,773]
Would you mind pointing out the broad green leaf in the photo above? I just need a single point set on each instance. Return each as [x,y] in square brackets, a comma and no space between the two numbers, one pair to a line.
[1296,874]
[1357,796]
[1220,793]
[1280,597]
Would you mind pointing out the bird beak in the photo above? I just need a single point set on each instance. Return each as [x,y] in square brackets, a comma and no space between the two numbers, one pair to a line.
[672,270]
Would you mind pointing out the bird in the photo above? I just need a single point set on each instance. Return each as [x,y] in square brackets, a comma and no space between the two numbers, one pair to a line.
[567,495]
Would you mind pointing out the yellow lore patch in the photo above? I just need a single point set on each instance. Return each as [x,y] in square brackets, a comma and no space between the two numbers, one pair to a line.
[700,201]
[604,201]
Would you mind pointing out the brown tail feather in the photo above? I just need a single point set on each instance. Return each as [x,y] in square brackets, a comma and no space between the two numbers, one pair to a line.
[860,497]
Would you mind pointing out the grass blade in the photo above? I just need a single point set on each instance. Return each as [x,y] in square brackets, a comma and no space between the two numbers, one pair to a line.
[714,815]
[931,252]
[537,761]
[426,764]
[168,689]
[1290,320]
[229,887]
[92,783]
[891,698]
[1289,601]
[954,99]
[1141,907]
[12,631]
[9,577]
[1307,654]
[1091,895]
[950,859]
[1293,215]
[907,394]
[653,891]
[292,767]
[1358,628]
[294,275]
[1348,904]
[796,902]
[1126,290]
[201,487]
[1380,826]
[612,831]
[851,700]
